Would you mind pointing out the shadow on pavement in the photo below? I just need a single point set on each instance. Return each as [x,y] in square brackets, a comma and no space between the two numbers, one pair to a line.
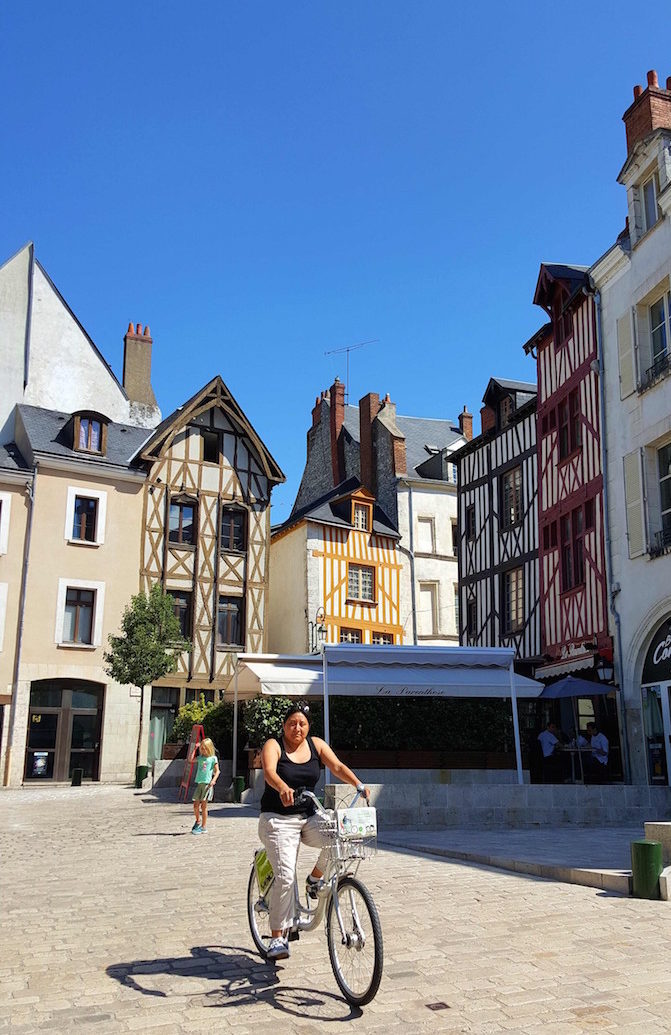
[239,977]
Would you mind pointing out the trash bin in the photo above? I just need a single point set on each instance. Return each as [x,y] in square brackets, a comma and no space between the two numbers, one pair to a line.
[77,775]
[140,774]
[646,866]
[238,787]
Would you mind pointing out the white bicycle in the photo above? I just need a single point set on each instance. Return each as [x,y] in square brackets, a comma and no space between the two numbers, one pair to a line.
[353,929]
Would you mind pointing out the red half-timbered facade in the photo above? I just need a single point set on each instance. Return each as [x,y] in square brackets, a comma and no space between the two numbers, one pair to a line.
[572,569]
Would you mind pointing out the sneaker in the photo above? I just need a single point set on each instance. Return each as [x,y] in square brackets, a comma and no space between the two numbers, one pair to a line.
[278,949]
[203,830]
[197,829]
[314,885]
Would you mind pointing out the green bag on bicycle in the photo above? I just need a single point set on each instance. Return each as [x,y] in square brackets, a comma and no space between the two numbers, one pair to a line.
[264,871]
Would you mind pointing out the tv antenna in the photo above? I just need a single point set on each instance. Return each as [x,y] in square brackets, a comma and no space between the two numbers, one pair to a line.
[347,349]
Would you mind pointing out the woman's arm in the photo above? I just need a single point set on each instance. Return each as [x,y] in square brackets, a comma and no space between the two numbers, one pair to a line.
[338,768]
[270,756]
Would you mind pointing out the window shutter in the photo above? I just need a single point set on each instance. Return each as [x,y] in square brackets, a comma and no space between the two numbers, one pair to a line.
[625,356]
[635,345]
[634,503]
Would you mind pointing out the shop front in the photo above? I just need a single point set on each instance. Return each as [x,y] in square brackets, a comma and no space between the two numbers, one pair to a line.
[64,729]
[656,695]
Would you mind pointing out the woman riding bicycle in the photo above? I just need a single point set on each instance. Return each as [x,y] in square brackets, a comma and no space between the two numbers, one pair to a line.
[288,764]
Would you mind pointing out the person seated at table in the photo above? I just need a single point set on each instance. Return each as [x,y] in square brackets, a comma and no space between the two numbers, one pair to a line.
[552,762]
[596,764]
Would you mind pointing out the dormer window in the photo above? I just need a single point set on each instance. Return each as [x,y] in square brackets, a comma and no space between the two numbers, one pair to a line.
[649,208]
[89,433]
[361,516]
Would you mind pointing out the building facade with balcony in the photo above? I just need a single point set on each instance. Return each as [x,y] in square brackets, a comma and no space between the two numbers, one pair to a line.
[633,284]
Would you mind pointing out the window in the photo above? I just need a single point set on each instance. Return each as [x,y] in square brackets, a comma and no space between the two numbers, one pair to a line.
[659,327]
[182,609]
[427,609]
[470,521]
[361,583]
[570,424]
[84,523]
[511,498]
[572,533]
[452,473]
[455,539]
[181,523]
[381,639]
[472,619]
[210,446]
[550,536]
[506,410]
[649,203]
[513,600]
[426,535]
[233,529]
[350,636]
[78,621]
[88,434]
[229,622]
[456,606]
[361,517]
[5,504]
[563,327]
[664,467]
[196,695]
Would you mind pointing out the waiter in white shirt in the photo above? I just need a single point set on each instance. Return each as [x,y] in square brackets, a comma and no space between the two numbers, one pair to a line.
[549,742]
[598,761]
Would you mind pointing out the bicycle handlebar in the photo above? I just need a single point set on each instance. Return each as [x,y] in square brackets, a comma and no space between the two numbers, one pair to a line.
[302,793]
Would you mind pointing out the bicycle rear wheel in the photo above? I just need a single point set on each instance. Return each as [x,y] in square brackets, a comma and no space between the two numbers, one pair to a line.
[257,914]
[357,957]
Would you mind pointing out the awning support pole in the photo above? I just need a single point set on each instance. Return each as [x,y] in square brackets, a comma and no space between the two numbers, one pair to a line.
[235,720]
[325,682]
[516,725]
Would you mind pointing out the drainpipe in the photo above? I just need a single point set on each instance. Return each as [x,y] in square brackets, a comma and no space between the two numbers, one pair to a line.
[410,554]
[609,558]
[30,496]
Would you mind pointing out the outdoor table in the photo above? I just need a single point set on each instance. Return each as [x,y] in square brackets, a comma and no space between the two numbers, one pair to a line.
[573,751]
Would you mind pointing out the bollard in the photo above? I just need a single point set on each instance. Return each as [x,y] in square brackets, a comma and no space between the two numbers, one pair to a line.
[141,773]
[646,866]
[77,775]
[238,787]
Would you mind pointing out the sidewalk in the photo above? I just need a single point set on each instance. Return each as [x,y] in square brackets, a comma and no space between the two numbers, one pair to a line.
[597,857]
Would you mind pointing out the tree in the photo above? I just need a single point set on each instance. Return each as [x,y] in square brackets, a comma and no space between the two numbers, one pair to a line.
[148,647]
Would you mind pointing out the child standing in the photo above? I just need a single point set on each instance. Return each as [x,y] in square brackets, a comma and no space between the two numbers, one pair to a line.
[207,774]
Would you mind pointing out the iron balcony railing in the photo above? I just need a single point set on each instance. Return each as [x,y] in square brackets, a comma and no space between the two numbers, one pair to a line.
[661,543]
[660,368]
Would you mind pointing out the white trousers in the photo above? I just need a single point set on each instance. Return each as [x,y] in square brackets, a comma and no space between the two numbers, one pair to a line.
[281,837]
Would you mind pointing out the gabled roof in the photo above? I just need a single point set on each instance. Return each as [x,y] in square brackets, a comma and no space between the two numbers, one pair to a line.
[522,390]
[424,436]
[572,277]
[537,337]
[333,509]
[215,393]
[48,432]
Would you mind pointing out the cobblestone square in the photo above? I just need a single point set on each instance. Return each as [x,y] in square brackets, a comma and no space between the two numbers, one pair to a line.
[116,919]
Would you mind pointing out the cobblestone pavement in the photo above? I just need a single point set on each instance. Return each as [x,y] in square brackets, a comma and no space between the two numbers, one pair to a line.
[116,919]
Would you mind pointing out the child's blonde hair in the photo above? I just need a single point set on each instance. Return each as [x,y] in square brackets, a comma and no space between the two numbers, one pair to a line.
[206,746]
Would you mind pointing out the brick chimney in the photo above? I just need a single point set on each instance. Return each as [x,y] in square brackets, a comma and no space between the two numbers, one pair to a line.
[137,365]
[466,424]
[369,407]
[337,419]
[651,110]
[487,419]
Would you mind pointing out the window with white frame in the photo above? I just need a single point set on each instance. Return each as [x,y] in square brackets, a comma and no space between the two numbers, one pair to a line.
[350,636]
[85,516]
[382,639]
[513,600]
[658,315]
[361,583]
[361,517]
[5,505]
[455,539]
[426,535]
[649,210]
[511,498]
[79,613]
[427,609]
[664,468]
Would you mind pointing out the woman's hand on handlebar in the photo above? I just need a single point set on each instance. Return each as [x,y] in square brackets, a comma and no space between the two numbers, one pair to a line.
[286,795]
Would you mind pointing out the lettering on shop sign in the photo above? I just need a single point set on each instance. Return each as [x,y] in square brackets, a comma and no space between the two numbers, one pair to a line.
[409,691]
[658,659]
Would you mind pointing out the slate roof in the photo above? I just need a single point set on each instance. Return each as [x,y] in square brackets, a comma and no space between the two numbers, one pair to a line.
[420,433]
[524,390]
[330,509]
[11,459]
[48,432]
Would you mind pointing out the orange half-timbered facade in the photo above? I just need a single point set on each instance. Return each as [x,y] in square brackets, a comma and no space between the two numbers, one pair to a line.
[206,535]
[336,574]
[574,609]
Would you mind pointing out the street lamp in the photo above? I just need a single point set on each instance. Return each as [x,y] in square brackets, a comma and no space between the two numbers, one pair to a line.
[317,631]
[604,670]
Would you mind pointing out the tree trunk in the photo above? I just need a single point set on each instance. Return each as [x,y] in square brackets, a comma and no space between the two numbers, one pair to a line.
[140,731]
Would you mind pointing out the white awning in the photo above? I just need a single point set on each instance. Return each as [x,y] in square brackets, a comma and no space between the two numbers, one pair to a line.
[565,666]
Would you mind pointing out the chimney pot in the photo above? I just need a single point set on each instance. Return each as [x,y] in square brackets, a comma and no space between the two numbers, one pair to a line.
[139,330]
[638,90]
[147,332]
[131,329]
[652,78]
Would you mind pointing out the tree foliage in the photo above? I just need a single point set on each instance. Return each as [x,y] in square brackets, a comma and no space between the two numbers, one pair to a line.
[150,640]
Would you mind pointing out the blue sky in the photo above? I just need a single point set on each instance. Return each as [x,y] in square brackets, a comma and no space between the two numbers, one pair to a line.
[262,182]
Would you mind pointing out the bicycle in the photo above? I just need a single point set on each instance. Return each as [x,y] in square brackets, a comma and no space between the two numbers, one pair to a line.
[353,929]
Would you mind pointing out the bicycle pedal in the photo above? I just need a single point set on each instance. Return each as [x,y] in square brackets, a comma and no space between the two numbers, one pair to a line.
[293,936]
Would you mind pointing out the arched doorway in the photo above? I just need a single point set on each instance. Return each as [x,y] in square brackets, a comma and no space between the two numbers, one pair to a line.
[64,724]
[656,702]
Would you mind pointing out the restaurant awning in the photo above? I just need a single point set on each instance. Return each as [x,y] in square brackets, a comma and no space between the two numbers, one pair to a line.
[369,671]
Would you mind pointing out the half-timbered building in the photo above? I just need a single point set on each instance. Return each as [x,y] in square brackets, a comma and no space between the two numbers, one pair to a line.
[574,611]
[206,537]
[498,534]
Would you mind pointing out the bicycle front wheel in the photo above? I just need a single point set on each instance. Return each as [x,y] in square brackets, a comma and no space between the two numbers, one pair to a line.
[258,914]
[356,955]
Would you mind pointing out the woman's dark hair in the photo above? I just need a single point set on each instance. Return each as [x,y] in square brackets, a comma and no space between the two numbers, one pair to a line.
[304,709]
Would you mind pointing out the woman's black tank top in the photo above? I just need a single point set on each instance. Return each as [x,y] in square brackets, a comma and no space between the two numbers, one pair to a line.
[294,774]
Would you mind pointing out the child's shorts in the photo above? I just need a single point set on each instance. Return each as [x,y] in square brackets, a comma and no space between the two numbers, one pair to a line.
[203,792]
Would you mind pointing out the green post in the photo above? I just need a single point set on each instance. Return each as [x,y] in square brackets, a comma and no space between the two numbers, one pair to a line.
[238,787]
[141,773]
[646,866]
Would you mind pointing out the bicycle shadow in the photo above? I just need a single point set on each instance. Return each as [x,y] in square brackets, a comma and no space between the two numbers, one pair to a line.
[239,979]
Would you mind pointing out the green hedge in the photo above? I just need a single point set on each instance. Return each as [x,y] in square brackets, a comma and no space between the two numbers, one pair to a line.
[362,723]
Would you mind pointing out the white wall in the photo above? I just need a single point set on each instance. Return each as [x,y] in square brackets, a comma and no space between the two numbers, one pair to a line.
[14,278]
[287,593]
